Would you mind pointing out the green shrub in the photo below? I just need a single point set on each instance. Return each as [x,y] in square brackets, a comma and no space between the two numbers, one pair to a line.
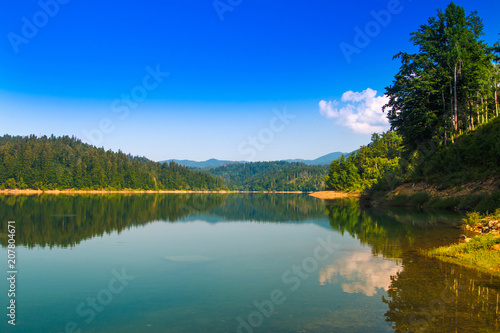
[419,199]
[470,202]
[496,215]
[489,203]
[11,183]
[399,200]
[442,203]
[472,219]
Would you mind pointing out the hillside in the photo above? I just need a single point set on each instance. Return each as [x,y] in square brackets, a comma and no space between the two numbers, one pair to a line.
[68,163]
[271,176]
[475,156]
[462,175]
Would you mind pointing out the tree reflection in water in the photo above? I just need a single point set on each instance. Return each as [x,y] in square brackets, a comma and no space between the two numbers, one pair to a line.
[425,295]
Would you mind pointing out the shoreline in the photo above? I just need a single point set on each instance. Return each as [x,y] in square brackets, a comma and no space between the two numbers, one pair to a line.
[471,196]
[129,191]
[481,251]
[332,195]
[482,254]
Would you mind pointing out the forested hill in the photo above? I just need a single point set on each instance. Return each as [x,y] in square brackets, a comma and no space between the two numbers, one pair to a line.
[443,108]
[31,162]
[272,176]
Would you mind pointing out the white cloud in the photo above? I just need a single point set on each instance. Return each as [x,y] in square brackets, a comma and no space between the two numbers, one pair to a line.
[359,111]
[327,109]
[360,273]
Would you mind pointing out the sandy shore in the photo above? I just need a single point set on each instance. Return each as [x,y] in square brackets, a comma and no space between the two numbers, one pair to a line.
[329,195]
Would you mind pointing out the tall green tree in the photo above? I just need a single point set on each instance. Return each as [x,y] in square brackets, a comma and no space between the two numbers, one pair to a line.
[447,87]
[343,175]
[368,165]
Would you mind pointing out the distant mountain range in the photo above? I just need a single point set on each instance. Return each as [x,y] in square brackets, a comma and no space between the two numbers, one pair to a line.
[213,163]
[323,160]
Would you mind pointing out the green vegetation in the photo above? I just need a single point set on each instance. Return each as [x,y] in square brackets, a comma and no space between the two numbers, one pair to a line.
[66,163]
[475,221]
[479,253]
[474,156]
[367,166]
[271,176]
[449,86]
[445,132]
[484,202]
[442,99]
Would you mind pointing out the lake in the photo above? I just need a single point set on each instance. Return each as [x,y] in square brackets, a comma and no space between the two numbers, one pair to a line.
[235,263]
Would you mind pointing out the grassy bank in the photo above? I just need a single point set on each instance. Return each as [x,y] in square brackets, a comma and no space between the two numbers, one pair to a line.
[482,251]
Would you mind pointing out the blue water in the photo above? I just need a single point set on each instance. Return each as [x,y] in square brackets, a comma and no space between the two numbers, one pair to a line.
[231,265]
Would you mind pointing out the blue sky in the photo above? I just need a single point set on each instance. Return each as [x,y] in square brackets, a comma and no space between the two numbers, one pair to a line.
[199,79]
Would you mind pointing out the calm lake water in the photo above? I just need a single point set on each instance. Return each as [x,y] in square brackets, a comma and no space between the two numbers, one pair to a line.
[235,263]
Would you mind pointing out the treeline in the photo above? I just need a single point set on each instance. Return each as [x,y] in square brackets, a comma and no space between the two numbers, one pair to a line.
[442,108]
[450,86]
[368,165]
[31,162]
[272,176]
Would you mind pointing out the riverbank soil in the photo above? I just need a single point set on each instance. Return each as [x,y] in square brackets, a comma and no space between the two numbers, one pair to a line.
[331,195]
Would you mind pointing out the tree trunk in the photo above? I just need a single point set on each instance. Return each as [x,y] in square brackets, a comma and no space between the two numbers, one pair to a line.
[478,118]
[452,135]
[486,111]
[455,106]
[496,99]
[482,109]
[444,115]
[471,114]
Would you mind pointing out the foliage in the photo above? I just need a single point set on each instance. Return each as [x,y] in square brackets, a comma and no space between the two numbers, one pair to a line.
[271,176]
[483,202]
[473,218]
[67,163]
[496,215]
[378,161]
[478,253]
[473,157]
[443,109]
[449,86]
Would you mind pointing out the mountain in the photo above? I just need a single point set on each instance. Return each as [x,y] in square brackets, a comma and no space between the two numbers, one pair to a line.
[272,176]
[211,163]
[323,160]
[214,163]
